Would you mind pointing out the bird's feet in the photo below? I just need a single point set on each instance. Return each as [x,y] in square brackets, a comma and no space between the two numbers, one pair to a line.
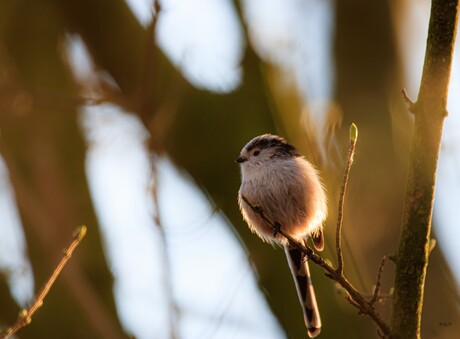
[276,228]
[258,209]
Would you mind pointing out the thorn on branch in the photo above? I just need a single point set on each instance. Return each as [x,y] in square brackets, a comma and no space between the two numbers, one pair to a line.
[410,104]
[393,258]
[432,245]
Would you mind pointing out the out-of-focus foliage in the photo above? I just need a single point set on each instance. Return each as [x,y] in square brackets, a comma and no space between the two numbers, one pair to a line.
[202,132]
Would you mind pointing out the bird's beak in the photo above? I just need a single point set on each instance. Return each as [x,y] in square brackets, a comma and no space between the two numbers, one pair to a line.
[240,159]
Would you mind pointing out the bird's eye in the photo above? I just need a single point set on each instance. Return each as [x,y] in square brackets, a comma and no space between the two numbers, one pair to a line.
[256,153]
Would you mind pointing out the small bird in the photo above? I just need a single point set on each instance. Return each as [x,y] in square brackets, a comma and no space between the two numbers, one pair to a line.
[282,184]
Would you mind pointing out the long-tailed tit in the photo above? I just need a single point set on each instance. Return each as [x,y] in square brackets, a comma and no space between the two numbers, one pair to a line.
[277,179]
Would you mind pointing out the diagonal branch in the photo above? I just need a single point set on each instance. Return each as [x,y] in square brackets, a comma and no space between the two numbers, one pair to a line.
[354,296]
[25,316]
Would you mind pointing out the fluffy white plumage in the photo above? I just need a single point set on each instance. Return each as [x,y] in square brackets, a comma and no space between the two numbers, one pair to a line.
[285,185]
[287,188]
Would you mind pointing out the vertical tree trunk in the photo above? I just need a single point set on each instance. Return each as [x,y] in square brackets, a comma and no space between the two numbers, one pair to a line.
[429,111]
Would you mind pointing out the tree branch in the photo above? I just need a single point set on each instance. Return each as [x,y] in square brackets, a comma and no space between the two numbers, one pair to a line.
[429,113]
[354,297]
[338,234]
[25,316]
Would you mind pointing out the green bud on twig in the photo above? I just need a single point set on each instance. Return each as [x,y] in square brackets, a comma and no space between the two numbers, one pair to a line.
[79,232]
[353,133]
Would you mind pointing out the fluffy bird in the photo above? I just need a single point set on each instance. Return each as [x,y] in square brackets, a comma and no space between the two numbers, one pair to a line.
[280,182]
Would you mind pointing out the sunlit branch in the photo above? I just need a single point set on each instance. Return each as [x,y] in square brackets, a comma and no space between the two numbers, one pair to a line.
[25,316]
[429,112]
[338,235]
[354,297]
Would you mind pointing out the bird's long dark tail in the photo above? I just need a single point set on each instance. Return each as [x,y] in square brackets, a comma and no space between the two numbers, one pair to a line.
[301,273]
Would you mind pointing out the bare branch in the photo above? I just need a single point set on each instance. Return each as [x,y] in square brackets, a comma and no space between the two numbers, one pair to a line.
[338,234]
[351,301]
[354,297]
[25,316]
[376,295]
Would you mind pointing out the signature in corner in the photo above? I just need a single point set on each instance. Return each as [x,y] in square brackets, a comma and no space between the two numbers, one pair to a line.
[445,323]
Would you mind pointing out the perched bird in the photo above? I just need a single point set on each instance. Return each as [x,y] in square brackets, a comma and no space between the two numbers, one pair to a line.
[286,188]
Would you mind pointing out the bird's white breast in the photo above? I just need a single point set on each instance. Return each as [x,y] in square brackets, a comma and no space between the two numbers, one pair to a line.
[288,191]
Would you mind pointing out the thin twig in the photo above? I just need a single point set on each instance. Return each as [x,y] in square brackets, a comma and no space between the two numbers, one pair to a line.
[25,316]
[351,301]
[358,300]
[338,234]
[376,295]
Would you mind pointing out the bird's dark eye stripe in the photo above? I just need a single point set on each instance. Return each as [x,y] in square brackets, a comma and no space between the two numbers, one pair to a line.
[256,153]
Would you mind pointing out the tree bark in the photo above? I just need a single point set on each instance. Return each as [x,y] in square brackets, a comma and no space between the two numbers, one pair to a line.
[429,111]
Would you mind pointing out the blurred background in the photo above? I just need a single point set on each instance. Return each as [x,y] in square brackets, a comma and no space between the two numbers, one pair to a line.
[126,116]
